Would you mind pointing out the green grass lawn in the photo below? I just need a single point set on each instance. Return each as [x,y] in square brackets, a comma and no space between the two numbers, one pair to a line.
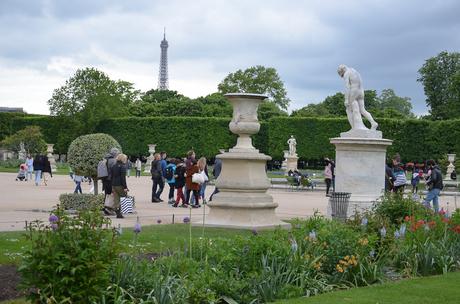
[429,290]
[152,239]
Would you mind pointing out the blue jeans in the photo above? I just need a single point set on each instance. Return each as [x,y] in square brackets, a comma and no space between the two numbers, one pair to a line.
[38,177]
[78,187]
[202,190]
[432,195]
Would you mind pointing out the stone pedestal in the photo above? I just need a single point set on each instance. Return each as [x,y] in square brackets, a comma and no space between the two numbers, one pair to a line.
[291,162]
[51,159]
[148,164]
[450,167]
[360,167]
[243,201]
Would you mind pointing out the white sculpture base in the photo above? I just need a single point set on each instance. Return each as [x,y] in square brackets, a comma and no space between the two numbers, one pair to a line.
[360,169]
[291,163]
[243,201]
[148,164]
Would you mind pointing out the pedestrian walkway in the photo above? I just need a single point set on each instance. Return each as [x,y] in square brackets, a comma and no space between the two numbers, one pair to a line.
[23,201]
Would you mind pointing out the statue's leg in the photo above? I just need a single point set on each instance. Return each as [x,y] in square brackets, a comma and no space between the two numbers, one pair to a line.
[349,113]
[357,120]
[367,115]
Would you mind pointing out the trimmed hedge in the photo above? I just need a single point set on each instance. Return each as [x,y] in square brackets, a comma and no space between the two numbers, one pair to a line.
[175,135]
[415,140]
[78,201]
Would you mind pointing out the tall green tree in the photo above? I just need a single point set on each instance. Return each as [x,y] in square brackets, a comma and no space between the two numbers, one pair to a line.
[30,136]
[257,79]
[389,100]
[90,96]
[158,96]
[439,76]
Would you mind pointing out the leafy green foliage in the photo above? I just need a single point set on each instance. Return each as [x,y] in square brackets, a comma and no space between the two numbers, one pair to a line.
[86,151]
[387,105]
[440,78]
[78,201]
[69,259]
[7,124]
[89,96]
[30,136]
[257,79]
[395,208]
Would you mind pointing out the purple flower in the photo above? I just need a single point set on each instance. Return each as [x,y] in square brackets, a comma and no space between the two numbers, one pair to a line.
[294,245]
[397,234]
[372,253]
[312,235]
[54,226]
[364,221]
[383,232]
[53,218]
[186,220]
[158,221]
[254,231]
[137,228]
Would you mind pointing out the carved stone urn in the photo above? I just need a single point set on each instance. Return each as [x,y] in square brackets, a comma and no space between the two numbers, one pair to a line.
[243,201]
[50,150]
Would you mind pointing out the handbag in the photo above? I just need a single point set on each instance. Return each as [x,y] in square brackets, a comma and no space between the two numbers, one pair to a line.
[127,204]
[197,178]
[109,201]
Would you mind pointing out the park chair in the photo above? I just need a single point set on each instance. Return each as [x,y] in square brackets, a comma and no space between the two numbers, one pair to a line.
[292,183]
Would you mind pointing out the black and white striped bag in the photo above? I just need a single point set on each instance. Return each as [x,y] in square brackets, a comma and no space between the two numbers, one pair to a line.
[127,204]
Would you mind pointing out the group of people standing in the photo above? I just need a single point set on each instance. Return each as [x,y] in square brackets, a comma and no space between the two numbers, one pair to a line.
[38,165]
[188,173]
[396,181]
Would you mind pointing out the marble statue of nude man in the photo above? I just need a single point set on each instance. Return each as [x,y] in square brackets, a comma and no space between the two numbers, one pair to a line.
[354,99]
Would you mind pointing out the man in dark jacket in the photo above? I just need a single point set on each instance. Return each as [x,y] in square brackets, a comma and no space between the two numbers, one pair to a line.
[157,178]
[434,185]
[39,165]
[118,179]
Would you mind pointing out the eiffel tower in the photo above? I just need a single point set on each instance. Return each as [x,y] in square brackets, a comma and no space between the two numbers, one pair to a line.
[163,74]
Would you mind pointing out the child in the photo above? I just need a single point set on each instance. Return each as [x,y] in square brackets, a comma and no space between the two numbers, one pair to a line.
[77,179]
[22,173]
[170,172]
[180,183]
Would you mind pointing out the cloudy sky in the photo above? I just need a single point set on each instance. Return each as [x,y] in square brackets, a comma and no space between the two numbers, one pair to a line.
[43,42]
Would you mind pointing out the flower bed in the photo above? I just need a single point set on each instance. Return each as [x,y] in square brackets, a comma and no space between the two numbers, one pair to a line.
[316,256]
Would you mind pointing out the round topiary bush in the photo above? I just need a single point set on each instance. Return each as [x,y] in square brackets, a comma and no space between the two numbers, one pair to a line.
[86,151]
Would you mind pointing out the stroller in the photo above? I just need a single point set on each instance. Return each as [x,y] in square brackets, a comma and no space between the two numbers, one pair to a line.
[22,173]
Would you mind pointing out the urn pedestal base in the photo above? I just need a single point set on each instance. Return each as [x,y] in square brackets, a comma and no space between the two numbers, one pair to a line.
[360,170]
[242,201]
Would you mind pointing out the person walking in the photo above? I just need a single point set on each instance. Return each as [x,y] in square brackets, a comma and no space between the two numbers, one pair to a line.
[30,167]
[163,165]
[46,169]
[170,173]
[157,177]
[180,183]
[203,167]
[118,179]
[399,174]
[328,175]
[138,166]
[216,172]
[129,165]
[39,165]
[435,186]
[191,186]
[77,179]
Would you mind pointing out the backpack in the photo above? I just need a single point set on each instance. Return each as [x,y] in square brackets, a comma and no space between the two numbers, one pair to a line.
[102,169]
[169,173]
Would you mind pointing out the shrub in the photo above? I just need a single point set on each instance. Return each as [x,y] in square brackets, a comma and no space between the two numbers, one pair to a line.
[395,208]
[69,258]
[11,163]
[76,201]
[86,151]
